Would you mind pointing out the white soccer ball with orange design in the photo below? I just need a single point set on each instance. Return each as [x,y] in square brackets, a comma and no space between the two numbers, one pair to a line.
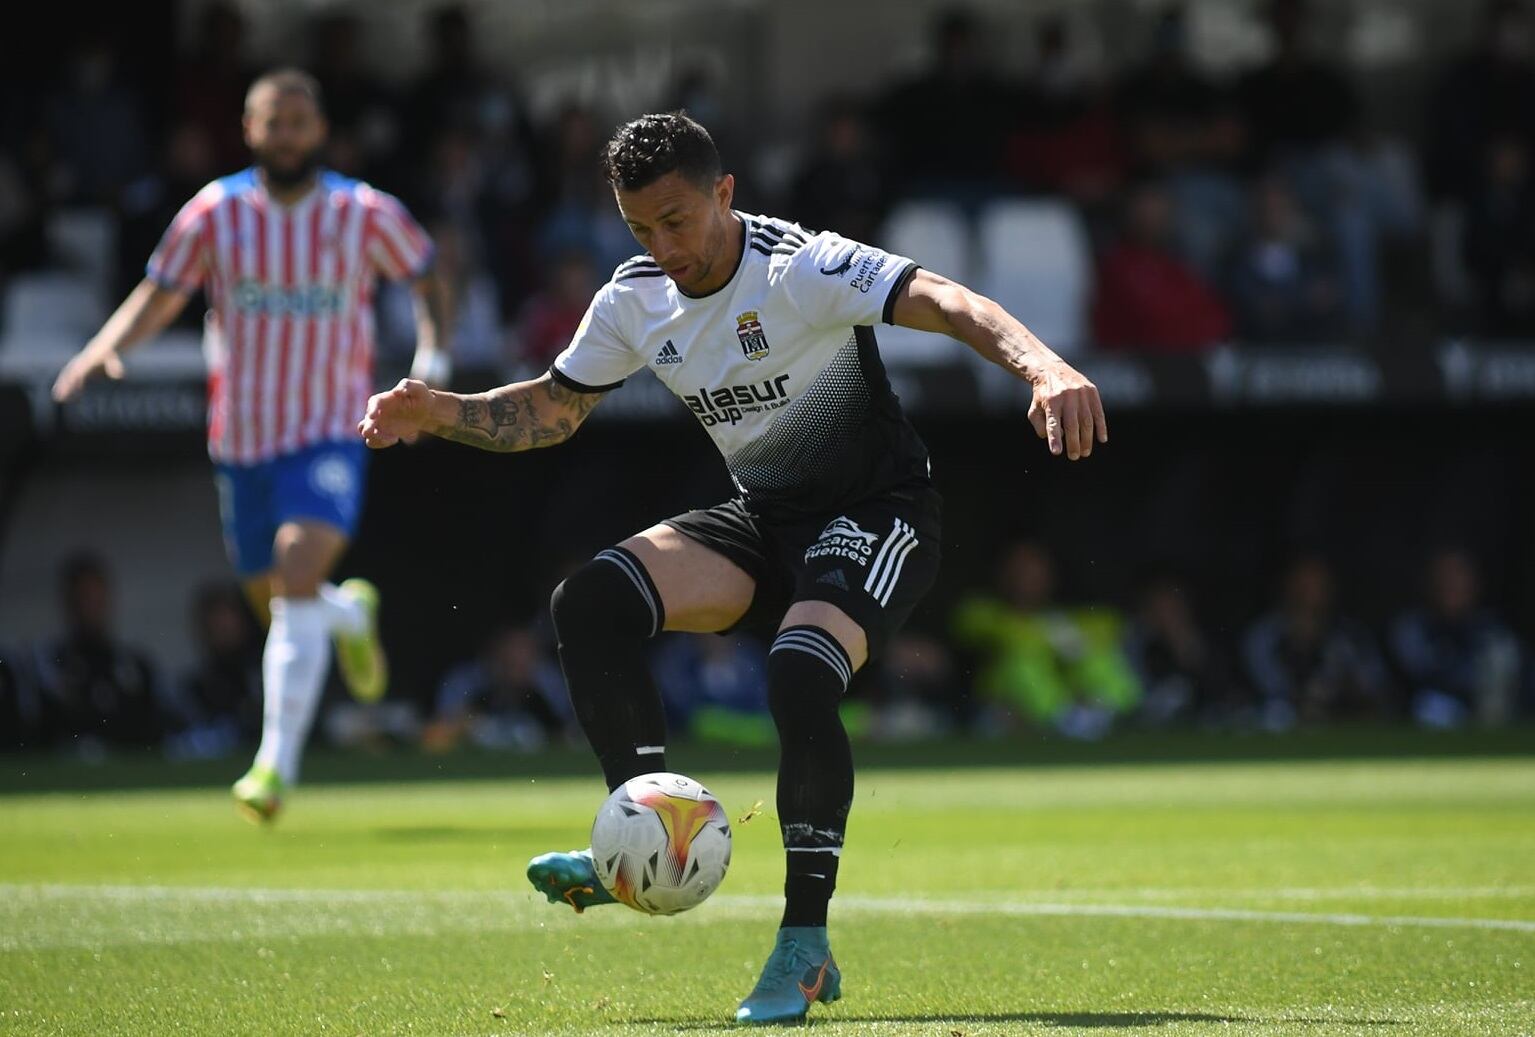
[661,843]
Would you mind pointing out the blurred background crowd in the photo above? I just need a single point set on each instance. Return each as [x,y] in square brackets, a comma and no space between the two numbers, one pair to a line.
[1136,199]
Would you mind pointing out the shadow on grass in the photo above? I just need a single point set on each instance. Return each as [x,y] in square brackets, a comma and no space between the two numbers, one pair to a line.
[1075,1020]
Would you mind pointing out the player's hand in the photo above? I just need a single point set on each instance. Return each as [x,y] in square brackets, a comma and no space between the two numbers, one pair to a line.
[397,416]
[81,368]
[1066,411]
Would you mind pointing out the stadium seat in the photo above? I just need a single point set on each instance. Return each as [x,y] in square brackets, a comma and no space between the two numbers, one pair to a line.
[935,235]
[85,241]
[46,305]
[932,233]
[1036,261]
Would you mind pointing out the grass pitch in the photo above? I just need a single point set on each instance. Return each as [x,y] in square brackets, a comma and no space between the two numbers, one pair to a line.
[1387,898]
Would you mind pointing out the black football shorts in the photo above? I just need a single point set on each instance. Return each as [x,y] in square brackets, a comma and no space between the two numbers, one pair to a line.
[874,559]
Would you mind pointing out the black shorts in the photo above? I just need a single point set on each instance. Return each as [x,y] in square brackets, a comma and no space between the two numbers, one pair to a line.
[874,559]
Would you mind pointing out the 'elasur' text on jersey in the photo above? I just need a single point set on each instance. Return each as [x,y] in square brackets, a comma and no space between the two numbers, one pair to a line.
[779,364]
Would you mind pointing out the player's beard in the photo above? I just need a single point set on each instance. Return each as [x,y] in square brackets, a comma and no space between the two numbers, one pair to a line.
[284,177]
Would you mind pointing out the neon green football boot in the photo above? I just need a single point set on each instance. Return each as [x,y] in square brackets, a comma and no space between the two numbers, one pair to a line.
[258,795]
[798,973]
[568,878]
[360,657]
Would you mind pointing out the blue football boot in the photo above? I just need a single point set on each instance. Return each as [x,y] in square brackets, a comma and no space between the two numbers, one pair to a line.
[568,878]
[798,973]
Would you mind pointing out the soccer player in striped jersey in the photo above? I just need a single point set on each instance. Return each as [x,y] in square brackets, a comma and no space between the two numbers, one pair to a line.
[288,255]
[765,331]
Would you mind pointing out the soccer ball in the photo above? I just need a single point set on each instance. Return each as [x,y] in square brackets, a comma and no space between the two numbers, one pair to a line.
[661,843]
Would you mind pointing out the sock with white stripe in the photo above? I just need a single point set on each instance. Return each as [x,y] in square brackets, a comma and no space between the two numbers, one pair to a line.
[604,613]
[293,667]
[808,672]
[347,614]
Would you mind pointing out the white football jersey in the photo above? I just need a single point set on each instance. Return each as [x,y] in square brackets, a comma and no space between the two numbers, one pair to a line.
[779,364]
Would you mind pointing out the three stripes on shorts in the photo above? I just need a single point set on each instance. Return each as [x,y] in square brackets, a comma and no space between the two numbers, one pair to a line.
[886,569]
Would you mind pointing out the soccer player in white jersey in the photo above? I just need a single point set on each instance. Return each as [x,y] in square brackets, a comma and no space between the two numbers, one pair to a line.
[765,331]
[288,255]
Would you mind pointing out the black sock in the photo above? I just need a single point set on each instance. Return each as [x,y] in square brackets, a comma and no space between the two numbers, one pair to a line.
[604,613]
[808,672]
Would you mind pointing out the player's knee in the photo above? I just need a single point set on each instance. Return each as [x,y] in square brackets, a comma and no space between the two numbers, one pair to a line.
[808,672]
[610,596]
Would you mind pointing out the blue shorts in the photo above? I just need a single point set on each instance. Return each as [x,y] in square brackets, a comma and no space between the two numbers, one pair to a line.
[323,482]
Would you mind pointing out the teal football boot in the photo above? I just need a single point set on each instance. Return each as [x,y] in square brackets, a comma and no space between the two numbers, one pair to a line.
[568,878]
[798,973]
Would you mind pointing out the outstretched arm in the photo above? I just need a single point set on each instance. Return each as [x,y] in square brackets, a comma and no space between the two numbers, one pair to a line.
[520,416]
[146,312]
[1066,410]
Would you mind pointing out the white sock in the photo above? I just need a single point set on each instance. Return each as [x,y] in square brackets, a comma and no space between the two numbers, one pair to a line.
[345,613]
[293,669]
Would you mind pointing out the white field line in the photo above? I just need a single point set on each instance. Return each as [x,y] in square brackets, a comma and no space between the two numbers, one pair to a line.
[34,917]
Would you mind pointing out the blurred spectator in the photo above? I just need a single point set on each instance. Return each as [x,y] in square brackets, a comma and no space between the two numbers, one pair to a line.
[715,688]
[361,113]
[1147,297]
[1282,280]
[211,85]
[23,238]
[943,131]
[97,692]
[1307,663]
[1304,123]
[1060,667]
[1499,243]
[511,697]
[221,696]
[1485,94]
[550,318]
[22,720]
[1297,104]
[1459,660]
[1178,667]
[96,127]
[843,186]
[578,203]
[1068,140]
[912,691]
[150,203]
[1180,126]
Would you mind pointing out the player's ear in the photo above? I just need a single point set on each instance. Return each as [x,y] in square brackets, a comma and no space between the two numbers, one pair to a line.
[725,191]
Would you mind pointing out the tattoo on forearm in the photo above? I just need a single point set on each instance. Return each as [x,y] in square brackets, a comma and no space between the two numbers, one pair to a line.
[520,417]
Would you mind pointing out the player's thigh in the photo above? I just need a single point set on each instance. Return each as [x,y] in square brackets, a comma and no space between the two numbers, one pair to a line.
[701,590]
[317,498]
[861,575]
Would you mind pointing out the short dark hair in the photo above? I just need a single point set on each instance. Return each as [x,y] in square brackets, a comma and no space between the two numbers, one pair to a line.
[644,150]
[287,81]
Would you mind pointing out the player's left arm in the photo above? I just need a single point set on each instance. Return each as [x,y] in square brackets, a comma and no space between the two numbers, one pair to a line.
[1066,411]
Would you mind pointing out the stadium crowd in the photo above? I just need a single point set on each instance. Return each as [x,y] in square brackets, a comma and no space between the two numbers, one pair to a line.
[1263,207]
[1021,656]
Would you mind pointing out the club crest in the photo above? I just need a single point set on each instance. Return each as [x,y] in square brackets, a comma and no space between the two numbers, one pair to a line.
[754,343]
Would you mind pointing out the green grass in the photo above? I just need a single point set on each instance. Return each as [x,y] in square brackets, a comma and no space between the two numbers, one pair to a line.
[1311,897]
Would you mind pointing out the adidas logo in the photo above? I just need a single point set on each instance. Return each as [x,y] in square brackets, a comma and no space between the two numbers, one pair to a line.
[835,578]
[668,354]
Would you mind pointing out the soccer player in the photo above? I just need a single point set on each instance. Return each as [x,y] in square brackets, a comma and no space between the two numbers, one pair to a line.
[288,254]
[765,330]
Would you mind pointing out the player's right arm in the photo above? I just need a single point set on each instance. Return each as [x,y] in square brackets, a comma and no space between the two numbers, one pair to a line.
[148,310]
[520,416]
